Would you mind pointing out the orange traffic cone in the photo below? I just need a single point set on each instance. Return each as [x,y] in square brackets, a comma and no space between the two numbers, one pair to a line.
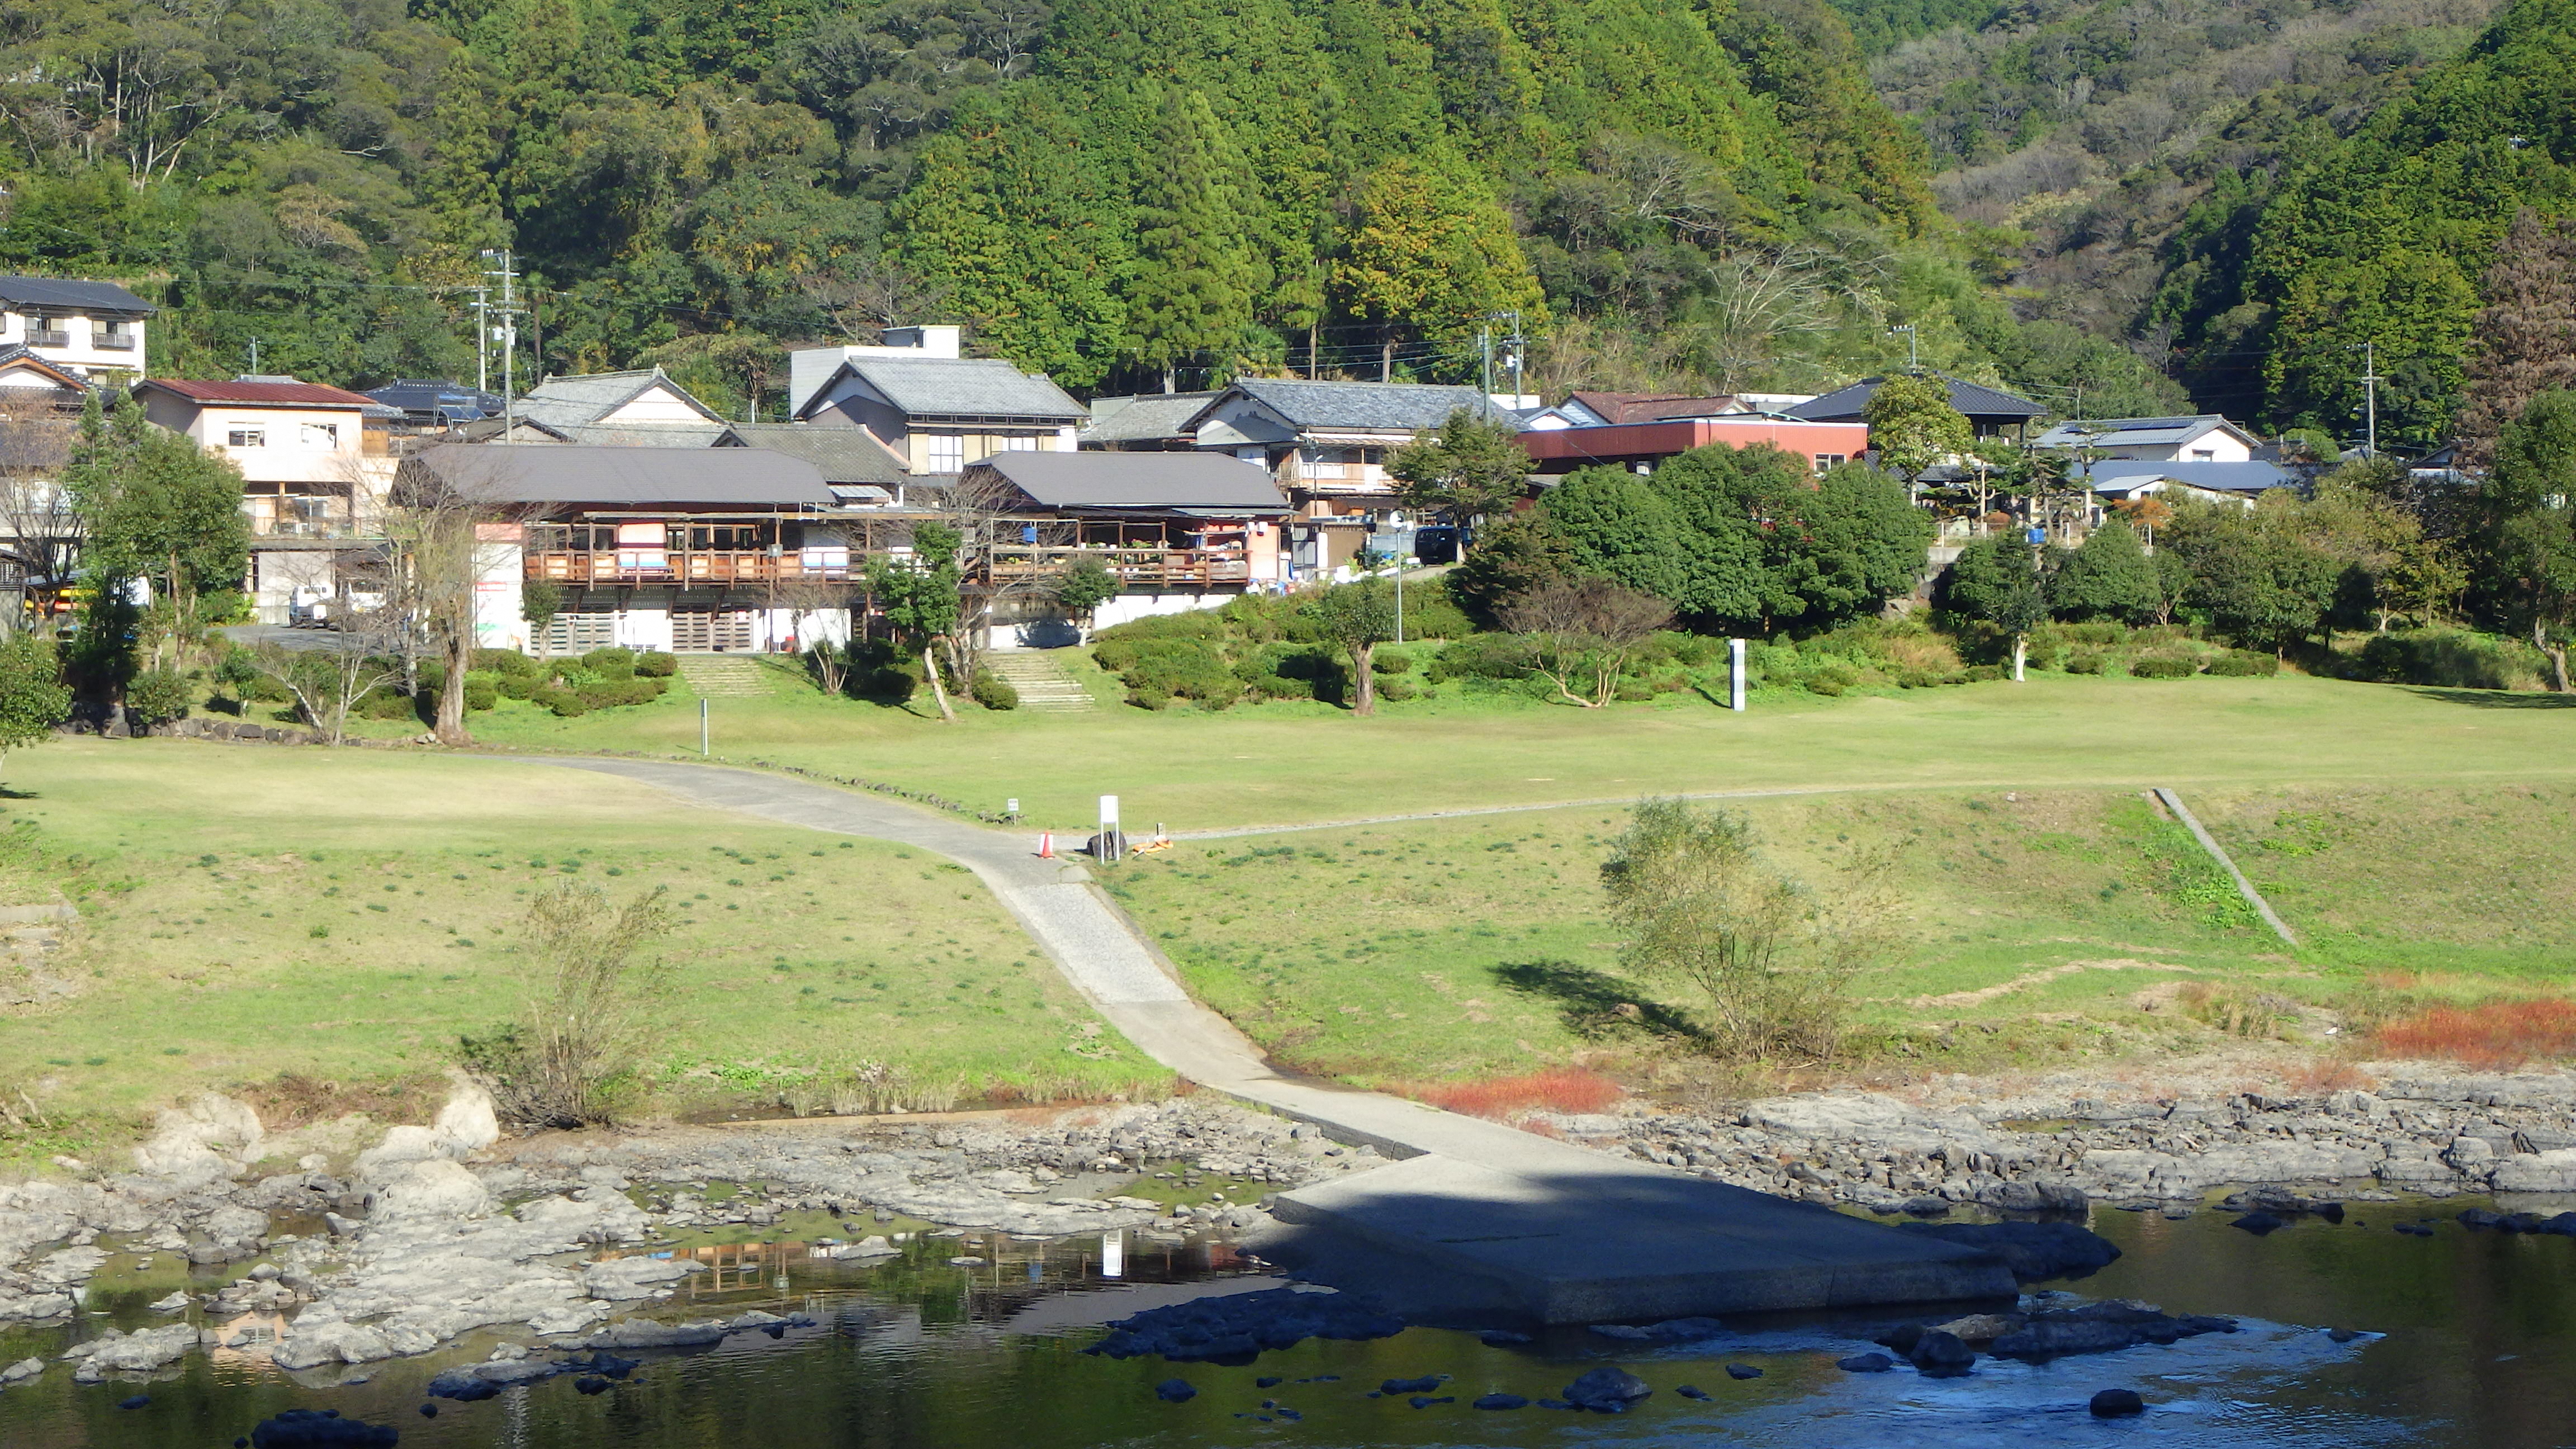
[1046,845]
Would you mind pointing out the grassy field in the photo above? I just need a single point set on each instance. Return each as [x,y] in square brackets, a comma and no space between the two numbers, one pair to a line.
[345,915]
[1293,762]
[2046,925]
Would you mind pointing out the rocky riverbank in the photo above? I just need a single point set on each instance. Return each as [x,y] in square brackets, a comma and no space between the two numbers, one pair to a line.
[2062,1143]
[444,1230]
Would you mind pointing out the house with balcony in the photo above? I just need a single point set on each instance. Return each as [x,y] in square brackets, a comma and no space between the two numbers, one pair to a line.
[92,329]
[1325,443]
[1179,531]
[314,461]
[936,410]
[694,550]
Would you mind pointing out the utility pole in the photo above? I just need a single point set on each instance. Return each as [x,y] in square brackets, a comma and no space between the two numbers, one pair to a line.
[2370,380]
[483,338]
[1485,350]
[509,338]
[254,357]
[1913,359]
[1520,350]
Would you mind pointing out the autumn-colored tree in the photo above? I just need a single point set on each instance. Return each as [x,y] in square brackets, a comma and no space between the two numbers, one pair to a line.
[1431,253]
[2526,334]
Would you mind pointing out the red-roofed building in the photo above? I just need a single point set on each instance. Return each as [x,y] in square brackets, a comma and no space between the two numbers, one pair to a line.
[315,462]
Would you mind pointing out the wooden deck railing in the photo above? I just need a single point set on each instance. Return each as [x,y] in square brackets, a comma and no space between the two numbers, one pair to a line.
[687,566]
[1130,565]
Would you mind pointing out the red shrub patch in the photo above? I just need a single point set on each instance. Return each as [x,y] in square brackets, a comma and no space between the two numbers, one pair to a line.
[1558,1089]
[2492,1034]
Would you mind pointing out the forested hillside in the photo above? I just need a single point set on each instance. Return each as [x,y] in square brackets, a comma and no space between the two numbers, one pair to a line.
[2246,191]
[1117,191]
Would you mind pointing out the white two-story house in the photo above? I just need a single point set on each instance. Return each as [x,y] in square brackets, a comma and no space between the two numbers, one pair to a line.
[92,329]
[936,410]
[313,471]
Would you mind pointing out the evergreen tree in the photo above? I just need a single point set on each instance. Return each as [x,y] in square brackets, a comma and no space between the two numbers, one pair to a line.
[1996,581]
[2526,334]
[2527,519]
[1196,274]
[1471,468]
[1913,426]
[1429,253]
[2109,577]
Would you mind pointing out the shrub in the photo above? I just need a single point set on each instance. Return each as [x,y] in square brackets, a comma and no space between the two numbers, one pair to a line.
[2163,666]
[2490,1034]
[391,703]
[562,701]
[1398,689]
[1984,673]
[657,664]
[507,662]
[1391,661]
[613,691]
[516,686]
[2245,664]
[588,1011]
[482,691]
[2087,661]
[2451,659]
[2237,1010]
[993,691]
[610,663]
[1484,656]
[159,696]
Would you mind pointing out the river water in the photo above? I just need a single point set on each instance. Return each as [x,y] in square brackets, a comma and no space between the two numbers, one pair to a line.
[2472,1342]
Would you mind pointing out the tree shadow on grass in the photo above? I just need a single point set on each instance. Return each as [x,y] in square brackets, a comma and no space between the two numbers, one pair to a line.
[2494,698]
[1590,1003]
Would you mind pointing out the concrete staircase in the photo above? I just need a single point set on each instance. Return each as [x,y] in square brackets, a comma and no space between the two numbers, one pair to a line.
[1042,682]
[725,676]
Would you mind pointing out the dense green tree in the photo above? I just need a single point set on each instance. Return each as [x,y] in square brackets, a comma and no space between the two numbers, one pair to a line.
[2527,525]
[33,698]
[1196,274]
[1513,556]
[2254,574]
[1471,468]
[157,508]
[1912,425]
[1997,582]
[1356,618]
[919,596]
[1428,253]
[2108,576]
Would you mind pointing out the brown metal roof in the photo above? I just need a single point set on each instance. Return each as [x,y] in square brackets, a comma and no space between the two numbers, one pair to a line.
[273,394]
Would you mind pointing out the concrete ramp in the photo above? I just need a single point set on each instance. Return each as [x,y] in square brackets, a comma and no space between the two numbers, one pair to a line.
[1597,1245]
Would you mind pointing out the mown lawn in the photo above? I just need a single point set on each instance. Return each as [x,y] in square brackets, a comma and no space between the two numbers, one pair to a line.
[1286,763]
[2044,924]
[344,915]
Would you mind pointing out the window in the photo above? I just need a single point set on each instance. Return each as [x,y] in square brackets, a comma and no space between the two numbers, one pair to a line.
[2204,455]
[44,331]
[246,438]
[1831,460]
[113,333]
[321,435]
[943,453]
[1018,443]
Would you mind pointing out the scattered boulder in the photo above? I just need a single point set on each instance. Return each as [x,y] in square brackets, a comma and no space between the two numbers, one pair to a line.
[138,1352]
[1175,1391]
[644,1333]
[1606,1390]
[1865,1363]
[320,1429]
[2117,1404]
[1942,1355]
[2259,1223]
[1422,1385]
[1742,1371]
[1500,1401]
[2101,1328]
[434,1187]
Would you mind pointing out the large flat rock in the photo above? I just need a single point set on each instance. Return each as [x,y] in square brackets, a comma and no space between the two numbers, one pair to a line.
[1606,1243]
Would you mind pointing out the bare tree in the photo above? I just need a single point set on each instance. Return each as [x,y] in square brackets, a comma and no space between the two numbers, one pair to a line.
[866,295]
[978,505]
[1758,297]
[440,523]
[329,675]
[588,1009]
[811,599]
[45,532]
[1585,629]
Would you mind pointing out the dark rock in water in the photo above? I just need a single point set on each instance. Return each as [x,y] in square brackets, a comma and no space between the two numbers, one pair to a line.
[2418,1230]
[135,1402]
[1238,1327]
[1927,1207]
[1865,1363]
[1693,1391]
[1422,1385]
[1270,1381]
[1673,1330]
[1501,1401]
[1901,1338]
[2101,1328]
[429,1411]
[2259,1223]
[590,1384]
[2481,1217]
[464,1386]
[1554,1404]
[1502,1337]
[2343,1335]
[2564,1225]
[2117,1404]
[1175,1391]
[775,1330]
[606,1365]
[2031,1250]
[2523,1223]
[1742,1371]
[1424,1401]
[319,1429]
[1606,1390]
[2331,1211]
[1942,1356]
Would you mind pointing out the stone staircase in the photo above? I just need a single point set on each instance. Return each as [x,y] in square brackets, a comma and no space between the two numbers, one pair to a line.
[1042,682]
[725,676]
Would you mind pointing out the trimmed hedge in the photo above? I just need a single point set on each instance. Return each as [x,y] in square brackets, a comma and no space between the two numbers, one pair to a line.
[993,691]
[2163,666]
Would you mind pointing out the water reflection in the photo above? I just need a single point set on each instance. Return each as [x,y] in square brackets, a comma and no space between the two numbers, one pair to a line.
[919,1352]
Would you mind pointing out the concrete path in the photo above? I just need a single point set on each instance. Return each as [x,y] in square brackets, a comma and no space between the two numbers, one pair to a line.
[1549,1231]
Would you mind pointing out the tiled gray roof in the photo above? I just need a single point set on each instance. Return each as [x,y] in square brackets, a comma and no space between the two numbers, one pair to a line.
[550,474]
[2202,473]
[646,435]
[981,387]
[96,298]
[1367,406]
[564,403]
[1178,482]
[1971,399]
[841,455]
[2132,432]
[1144,418]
